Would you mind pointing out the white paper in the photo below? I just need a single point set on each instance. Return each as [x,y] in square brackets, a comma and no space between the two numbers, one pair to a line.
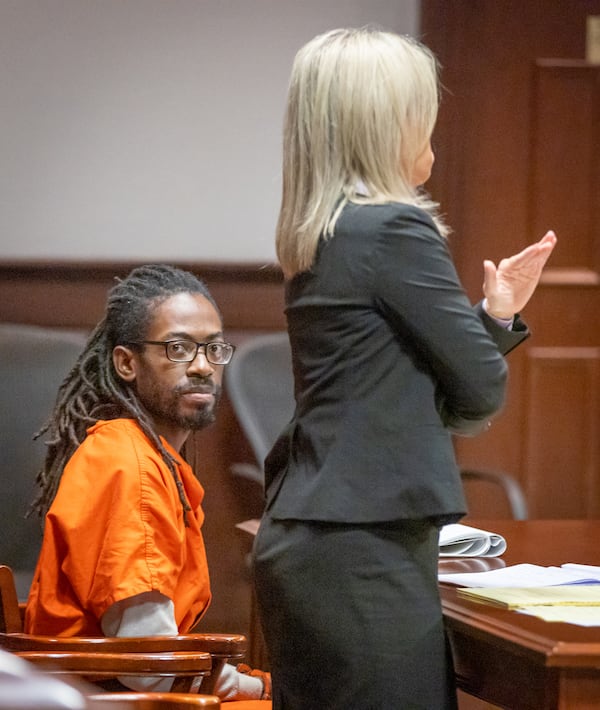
[457,540]
[579,615]
[522,575]
[588,570]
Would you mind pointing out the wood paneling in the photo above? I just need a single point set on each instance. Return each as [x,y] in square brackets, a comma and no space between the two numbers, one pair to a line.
[565,163]
[73,295]
[560,454]
[517,153]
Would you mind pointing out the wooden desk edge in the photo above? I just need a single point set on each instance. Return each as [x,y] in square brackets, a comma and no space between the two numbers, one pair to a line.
[552,653]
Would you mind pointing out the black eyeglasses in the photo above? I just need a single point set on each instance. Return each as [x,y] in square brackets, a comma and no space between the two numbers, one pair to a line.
[216,353]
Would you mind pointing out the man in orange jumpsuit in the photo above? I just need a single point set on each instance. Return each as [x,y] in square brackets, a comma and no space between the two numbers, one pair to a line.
[123,553]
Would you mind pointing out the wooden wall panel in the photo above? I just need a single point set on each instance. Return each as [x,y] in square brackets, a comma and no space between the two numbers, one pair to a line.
[73,295]
[517,153]
[565,169]
[561,460]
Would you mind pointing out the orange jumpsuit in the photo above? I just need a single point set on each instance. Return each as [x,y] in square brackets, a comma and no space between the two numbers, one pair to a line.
[114,530]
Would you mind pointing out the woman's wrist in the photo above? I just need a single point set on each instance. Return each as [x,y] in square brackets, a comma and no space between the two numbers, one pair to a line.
[502,317]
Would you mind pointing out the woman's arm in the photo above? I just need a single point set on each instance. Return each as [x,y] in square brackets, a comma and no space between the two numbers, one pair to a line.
[418,292]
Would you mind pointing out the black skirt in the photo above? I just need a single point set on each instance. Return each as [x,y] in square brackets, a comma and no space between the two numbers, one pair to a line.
[352,617]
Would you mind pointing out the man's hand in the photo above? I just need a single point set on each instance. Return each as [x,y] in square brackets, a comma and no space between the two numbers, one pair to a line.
[508,286]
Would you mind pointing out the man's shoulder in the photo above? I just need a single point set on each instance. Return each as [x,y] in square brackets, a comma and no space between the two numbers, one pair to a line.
[120,426]
[122,430]
[116,439]
[113,449]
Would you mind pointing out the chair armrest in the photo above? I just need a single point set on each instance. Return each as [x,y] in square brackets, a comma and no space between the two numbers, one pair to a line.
[221,646]
[179,663]
[152,701]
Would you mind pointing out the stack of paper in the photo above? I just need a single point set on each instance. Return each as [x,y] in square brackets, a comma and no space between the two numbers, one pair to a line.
[525,575]
[579,615]
[568,594]
[518,597]
[457,540]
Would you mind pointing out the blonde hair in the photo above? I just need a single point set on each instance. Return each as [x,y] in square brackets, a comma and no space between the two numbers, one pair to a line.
[362,105]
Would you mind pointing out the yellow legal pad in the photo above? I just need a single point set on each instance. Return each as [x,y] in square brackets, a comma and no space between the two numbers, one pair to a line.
[518,597]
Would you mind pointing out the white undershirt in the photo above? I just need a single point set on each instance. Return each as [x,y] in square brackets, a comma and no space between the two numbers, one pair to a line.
[153,614]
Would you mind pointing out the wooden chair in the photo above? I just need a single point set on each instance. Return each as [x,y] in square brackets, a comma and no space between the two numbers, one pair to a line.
[185,656]
[96,665]
[151,701]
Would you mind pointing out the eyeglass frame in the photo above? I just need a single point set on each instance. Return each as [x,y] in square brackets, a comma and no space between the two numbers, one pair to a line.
[166,344]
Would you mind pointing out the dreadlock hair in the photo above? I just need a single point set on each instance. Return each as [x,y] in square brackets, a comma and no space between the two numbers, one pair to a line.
[93,390]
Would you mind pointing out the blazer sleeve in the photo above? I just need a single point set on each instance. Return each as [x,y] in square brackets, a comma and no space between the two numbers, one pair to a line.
[506,339]
[418,291]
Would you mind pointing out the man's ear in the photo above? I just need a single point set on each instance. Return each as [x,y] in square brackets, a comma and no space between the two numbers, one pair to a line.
[125,363]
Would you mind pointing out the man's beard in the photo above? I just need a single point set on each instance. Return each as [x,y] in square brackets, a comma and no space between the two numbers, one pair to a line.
[167,410]
[199,419]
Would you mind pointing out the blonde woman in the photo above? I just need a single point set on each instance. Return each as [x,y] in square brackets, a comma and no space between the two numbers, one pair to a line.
[389,360]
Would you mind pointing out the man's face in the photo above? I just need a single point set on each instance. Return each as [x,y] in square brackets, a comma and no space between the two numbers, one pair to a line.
[178,396]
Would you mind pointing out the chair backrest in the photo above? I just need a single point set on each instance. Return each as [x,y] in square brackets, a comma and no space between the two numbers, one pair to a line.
[33,363]
[10,614]
[260,384]
[493,494]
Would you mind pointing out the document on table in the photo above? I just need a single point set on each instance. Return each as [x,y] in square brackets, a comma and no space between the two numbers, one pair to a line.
[526,575]
[578,615]
[458,540]
[527,597]
[566,603]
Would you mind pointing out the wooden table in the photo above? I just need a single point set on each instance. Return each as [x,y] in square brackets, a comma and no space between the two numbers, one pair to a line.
[518,661]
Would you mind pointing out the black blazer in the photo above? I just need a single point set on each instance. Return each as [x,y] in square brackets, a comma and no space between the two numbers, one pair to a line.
[389,359]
